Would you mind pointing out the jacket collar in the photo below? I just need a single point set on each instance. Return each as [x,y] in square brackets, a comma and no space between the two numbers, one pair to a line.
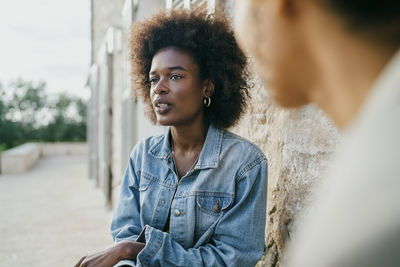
[209,155]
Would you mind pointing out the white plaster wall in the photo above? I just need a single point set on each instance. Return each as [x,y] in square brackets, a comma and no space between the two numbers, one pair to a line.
[117,123]
[144,127]
[129,123]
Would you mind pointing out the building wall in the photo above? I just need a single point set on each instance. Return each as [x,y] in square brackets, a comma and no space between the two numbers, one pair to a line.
[130,124]
[104,14]
[116,121]
[105,18]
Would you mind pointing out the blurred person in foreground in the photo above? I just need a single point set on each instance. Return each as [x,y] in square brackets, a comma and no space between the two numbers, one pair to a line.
[343,56]
[195,196]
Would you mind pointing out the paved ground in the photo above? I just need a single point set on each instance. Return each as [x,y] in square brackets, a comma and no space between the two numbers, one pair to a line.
[51,215]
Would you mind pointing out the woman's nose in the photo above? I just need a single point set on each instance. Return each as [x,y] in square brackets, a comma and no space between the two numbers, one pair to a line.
[160,88]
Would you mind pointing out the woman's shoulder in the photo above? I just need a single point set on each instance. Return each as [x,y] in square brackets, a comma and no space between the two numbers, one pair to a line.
[239,144]
[241,156]
[147,143]
[153,140]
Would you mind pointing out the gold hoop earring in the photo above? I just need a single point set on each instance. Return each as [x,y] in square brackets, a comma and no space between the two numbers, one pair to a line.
[207,101]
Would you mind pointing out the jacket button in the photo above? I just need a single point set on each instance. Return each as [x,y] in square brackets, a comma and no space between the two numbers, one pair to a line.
[177,212]
[216,206]
[163,201]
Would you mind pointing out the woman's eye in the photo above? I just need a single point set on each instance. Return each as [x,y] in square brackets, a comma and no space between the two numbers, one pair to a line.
[153,80]
[176,77]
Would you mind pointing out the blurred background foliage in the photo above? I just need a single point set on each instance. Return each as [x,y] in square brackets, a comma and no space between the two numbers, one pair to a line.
[28,113]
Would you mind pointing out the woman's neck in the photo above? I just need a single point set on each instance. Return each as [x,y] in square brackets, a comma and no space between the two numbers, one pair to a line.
[190,137]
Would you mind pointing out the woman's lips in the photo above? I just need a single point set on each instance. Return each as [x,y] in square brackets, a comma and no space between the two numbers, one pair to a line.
[162,108]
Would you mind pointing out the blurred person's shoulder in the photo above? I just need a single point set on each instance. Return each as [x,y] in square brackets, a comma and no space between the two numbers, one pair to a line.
[356,206]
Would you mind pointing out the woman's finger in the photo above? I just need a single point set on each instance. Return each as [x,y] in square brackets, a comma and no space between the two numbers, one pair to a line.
[80,261]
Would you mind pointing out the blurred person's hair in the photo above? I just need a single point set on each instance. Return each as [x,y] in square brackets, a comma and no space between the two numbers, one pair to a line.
[379,20]
[209,39]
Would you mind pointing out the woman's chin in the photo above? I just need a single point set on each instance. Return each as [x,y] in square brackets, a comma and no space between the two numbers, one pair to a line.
[163,121]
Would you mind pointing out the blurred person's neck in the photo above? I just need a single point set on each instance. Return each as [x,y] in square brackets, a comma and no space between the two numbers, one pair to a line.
[348,65]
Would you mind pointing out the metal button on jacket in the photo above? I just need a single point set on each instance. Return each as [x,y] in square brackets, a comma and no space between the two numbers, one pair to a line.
[177,212]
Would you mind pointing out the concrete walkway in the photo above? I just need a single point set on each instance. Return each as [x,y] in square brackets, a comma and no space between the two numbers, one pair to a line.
[51,215]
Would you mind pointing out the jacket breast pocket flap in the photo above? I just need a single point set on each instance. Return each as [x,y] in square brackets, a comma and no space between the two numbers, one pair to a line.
[145,180]
[214,204]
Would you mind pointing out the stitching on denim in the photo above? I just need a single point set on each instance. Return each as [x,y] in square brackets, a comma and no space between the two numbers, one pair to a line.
[250,166]
[155,179]
[152,150]
[203,193]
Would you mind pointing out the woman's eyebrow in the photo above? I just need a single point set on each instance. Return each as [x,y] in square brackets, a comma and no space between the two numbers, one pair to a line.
[170,68]
[177,68]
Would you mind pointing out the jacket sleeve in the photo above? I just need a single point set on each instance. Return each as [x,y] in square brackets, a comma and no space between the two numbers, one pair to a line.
[238,239]
[126,224]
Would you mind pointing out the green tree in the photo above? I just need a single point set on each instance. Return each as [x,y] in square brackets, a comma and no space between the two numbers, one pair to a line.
[27,114]
[66,126]
[27,99]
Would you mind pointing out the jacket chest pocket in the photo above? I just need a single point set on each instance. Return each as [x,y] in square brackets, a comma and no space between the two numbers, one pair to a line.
[209,209]
[146,189]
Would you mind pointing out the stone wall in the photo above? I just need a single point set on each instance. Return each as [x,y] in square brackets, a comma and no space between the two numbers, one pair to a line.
[298,144]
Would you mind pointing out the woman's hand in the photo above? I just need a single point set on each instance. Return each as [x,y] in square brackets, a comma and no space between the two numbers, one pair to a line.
[125,250]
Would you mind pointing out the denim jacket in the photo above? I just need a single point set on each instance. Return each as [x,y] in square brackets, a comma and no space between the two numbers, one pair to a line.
[217,210]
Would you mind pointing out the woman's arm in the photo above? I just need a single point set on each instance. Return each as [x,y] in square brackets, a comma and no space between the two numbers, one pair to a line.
[238,239]
[125,250]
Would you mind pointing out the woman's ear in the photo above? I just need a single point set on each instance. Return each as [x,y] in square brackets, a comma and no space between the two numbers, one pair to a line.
[208,88]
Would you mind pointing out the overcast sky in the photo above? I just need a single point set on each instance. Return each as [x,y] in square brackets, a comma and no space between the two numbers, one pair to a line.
[46,40]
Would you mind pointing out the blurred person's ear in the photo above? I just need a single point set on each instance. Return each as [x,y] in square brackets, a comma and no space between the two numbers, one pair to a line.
[273,32]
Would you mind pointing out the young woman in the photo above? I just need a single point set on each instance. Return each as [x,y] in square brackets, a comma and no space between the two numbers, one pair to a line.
[344,56]
[195,196]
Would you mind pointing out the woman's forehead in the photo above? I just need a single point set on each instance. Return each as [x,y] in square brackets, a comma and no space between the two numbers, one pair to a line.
[173,58]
